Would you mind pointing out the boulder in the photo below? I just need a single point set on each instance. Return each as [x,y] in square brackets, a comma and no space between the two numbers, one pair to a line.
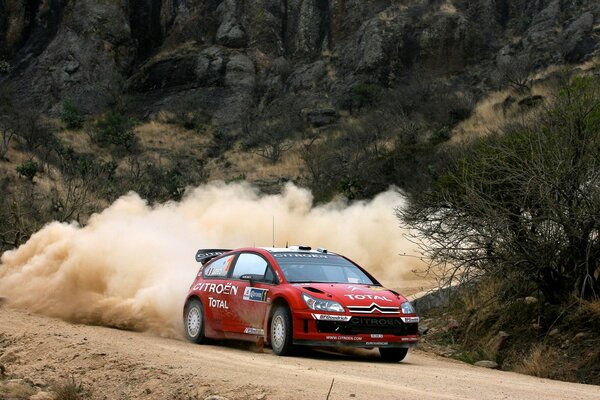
[577,42]
[308,77]
[210,67]
[230,32]
[321,116]
[309,21]
[43,396]
[487,364]
[240,72]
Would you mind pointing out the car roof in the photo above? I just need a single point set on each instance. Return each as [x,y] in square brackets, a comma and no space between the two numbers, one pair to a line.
[298,249]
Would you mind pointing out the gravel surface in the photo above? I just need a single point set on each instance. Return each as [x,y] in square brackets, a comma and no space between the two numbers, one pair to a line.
[117,364]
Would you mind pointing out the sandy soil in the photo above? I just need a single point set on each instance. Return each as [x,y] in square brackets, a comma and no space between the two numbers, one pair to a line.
[116,364]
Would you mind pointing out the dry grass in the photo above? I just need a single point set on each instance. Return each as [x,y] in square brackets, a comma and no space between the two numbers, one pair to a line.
[448,7]
[541,361]
[157,136]
[162,144]
[253,167]
[181,49]
[494,112]
[486,294]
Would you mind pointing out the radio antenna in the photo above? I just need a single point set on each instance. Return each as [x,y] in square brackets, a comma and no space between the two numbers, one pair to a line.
[273,231]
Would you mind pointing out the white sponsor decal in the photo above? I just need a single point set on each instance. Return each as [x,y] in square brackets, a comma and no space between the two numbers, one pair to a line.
[329,317]
[377,336]
[256,294]
[284,255]
[409,339]
[219,288]
[377,343]
[353,288]
[367,297]
[216,303]
[347,338]
[410,320]
[254,331]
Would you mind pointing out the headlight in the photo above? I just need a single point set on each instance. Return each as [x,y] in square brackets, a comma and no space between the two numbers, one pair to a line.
[322,305]
[407,308]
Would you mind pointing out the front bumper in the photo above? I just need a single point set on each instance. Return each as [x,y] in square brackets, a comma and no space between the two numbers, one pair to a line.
[355,330]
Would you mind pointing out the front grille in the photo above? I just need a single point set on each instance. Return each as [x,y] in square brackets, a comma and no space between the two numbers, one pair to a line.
[360,325]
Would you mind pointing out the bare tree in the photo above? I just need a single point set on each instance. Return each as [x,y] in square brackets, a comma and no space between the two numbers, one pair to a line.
[517,71]
[523,205]
[272,133]
[7,136]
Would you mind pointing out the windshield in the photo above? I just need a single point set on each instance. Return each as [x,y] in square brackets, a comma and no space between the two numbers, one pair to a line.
[325,268]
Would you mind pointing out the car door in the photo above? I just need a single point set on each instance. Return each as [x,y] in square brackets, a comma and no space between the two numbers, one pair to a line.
[213,291]
[252,299]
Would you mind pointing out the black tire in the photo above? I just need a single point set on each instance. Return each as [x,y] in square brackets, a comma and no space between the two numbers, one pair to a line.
[193,321]
[281,333]
[392,354]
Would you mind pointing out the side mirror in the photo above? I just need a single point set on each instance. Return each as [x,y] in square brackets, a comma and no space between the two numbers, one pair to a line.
[248,277]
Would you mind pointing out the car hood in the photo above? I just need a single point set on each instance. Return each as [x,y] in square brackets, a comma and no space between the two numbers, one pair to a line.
[357,297]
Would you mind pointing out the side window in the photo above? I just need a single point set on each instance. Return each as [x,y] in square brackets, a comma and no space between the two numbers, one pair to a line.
[218,268]
[249,263]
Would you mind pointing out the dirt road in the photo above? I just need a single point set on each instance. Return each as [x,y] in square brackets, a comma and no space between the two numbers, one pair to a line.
[115,364]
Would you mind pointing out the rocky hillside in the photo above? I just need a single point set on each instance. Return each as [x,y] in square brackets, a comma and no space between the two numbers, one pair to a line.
[100,97]
[227,59]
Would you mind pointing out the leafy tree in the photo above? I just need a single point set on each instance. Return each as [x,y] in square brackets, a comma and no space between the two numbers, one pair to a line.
[522,205]
[71,115]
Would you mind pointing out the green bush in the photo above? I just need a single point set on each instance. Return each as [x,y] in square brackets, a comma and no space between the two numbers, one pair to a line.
[28,169]
[4,67]
[71,115]
[364,94]
[116,129]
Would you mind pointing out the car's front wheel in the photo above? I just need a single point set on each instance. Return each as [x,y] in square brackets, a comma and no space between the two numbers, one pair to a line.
[392,354]
[281,331]
[193,321]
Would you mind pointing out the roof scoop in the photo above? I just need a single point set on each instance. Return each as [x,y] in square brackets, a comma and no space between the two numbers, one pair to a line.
[301,247]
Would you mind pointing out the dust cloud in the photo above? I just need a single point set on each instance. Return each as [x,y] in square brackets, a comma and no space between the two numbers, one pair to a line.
[130,267]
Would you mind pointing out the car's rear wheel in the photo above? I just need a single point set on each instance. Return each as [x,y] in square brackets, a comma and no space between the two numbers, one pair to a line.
[281,331]
[194,321]
[392,354]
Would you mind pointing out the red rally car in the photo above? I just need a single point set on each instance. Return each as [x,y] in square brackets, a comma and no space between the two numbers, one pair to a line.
[296,296]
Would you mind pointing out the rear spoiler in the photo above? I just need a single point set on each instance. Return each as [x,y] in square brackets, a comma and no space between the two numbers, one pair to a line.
[205,255]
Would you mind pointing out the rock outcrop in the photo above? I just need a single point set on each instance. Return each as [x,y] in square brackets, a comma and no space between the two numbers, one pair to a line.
[237,55]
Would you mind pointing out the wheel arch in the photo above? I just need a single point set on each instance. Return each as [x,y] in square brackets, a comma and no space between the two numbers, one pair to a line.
[190,298]
[277,302]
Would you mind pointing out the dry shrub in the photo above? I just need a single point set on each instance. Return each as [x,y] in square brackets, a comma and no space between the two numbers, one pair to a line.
[588,315]
[541,361]
[484,294]
[69,389]
[15,389]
